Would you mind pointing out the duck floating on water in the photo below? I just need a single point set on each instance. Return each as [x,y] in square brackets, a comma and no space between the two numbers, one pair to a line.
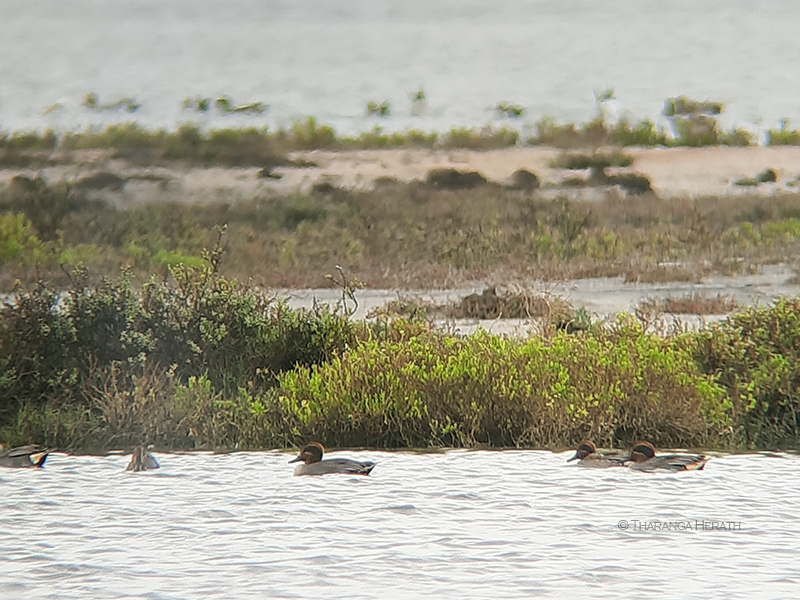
[589,456]
[142,460]
[643,458]
[23,456]
[311,457]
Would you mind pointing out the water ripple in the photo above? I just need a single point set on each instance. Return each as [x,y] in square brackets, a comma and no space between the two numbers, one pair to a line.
[456,524]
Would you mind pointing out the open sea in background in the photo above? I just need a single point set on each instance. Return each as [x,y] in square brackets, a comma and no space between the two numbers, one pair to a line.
[328,58]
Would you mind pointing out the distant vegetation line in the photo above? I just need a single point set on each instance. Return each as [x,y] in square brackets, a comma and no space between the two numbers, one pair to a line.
[693,124]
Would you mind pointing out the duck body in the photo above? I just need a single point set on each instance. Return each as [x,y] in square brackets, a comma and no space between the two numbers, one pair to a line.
[643,458]
[335,465]
[142,460]
[23,456]
[311,457]
[589,456]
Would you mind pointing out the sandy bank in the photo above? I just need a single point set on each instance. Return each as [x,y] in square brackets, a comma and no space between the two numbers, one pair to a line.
[672,171]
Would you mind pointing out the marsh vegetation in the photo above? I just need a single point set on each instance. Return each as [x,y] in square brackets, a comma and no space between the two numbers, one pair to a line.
[186,350]
[425,234]
[196,360]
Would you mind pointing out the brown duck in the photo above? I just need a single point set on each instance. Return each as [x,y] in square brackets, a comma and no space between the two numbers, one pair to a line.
[643,458]
[142,460]
[311,457]
[589,456]
[23,456]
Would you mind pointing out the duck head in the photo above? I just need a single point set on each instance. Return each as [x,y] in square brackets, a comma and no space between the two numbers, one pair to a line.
[642,451]
[585,449]
[137,459]
[310,453]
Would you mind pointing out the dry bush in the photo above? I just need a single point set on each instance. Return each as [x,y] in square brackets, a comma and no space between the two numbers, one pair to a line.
[453,179]
[660,274]
[509,305]
[487,305]
[698,303]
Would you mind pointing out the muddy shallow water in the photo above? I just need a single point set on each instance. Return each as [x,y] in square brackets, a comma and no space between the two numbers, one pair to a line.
[457,524]
[601,297]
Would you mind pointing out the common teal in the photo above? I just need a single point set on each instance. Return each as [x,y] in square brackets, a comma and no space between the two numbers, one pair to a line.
[142,460]
[643,458]
[23,456]
[311,456]
[589,456]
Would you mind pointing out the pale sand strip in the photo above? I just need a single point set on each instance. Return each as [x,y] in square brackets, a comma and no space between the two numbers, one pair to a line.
[672,171]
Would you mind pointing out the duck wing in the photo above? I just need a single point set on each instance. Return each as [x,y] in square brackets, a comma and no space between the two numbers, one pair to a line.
[365,468]
[346,465]
[21,451]
[336,465]
[604,460]
[685,462]
[615,456]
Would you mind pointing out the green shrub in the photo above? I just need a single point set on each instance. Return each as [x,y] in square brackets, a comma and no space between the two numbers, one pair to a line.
[697,131]
[550,133]
[380,109]
[434,389]
[131,403]
[47,207]
[785,136]
[29,141]
[17,239]
[683,106]
[737,137]
[756,355]
[309,135]
[597,160]
[112,368]
[487,138]
[200,324]
[643,133]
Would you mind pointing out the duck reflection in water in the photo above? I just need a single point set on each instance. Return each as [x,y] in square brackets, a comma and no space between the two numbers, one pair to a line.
[311,457]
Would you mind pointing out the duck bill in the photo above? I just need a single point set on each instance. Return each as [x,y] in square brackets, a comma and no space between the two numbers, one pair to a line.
[298,459]
[576,457]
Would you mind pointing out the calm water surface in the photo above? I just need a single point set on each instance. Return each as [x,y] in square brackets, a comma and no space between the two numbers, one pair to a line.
[329,57]
[452,525]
